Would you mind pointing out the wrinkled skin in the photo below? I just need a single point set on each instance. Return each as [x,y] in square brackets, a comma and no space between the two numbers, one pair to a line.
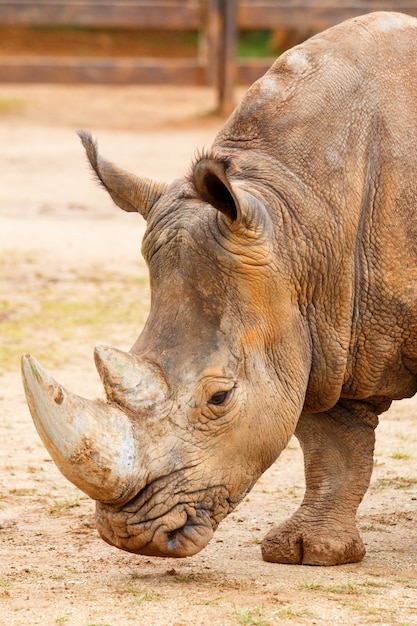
[283,273]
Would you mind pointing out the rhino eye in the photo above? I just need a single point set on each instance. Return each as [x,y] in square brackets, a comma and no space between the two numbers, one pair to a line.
[219,398]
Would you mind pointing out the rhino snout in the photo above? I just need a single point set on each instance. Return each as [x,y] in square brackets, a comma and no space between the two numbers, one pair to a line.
[175,535]
[145,527]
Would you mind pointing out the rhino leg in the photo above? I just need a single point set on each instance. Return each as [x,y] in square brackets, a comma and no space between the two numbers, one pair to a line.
[338,459]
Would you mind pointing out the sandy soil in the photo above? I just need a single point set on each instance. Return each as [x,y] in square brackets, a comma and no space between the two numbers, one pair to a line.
[56,229]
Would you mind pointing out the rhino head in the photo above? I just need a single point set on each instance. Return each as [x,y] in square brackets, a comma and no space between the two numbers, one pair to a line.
[204,402]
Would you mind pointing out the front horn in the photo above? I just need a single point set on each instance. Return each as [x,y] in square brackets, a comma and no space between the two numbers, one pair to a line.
[92,443]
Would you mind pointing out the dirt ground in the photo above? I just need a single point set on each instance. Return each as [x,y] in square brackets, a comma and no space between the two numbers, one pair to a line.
[64,249]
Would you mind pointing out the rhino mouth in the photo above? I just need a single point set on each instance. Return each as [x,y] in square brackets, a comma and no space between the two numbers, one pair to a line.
[181,530]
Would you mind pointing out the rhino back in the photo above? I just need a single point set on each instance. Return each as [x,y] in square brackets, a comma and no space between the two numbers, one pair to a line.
[328,137]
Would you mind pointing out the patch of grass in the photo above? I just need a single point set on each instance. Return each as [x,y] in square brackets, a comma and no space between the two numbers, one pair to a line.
[61,507]
[293,492]
[310,585]
[344,588]
[33,572]
[406,483]
[402,456]
[290,613]
[406,583]
[382,483]
[51,317]
[348,588]
[373,611]
[185,578]
[373,583]
[139,594]
[11,105]
[141,597]
[251,618]
[23,491]
[399,482]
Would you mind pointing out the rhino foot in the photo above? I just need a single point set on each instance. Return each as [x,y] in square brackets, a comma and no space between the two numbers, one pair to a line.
[304,542]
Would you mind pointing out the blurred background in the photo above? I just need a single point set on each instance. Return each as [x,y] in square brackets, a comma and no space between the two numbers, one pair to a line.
[218,43]
[153,82]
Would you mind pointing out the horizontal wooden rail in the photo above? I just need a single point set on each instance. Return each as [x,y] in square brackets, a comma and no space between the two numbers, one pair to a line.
[128,71]
[166,14]
[315,14]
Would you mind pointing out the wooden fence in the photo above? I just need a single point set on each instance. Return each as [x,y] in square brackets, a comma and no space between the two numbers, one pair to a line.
[162,15]
[217,21]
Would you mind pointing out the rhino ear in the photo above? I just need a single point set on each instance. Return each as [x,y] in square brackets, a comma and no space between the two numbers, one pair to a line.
[243,210]
[214,187]
[129,192]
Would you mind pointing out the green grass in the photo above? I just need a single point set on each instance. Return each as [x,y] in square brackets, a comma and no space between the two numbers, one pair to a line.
[60,320]
[254,44]
[138,593]
[251,618]
[11,105]
[310,585]
[61,507]
[399,482]
[185,578]
[347,588]
[291,614]
[24,491]
[402,456]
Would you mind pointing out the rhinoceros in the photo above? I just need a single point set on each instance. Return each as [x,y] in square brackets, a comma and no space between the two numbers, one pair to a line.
[283,301]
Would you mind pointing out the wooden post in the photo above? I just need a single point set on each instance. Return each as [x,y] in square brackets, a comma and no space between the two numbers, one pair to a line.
[227,60]
[212,42]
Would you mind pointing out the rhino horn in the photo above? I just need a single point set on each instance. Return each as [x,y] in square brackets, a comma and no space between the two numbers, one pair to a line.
[92,443]
[129,381]
[129,192]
